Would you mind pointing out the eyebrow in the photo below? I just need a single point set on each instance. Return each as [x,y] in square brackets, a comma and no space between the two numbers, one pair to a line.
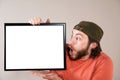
[78,34]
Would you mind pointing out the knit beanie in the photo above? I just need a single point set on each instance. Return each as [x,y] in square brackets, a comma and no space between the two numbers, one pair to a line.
[91,29]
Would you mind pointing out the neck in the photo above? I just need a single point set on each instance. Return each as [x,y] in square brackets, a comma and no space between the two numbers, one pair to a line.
[85,57]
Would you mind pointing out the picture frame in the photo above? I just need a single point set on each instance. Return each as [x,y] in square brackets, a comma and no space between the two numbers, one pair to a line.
[34,47]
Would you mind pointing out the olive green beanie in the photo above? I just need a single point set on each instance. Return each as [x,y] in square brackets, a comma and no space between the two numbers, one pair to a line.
[91,29]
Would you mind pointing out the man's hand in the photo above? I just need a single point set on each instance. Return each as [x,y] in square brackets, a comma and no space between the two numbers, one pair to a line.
[38,20]
[40,73]
[52,76]
[46,74]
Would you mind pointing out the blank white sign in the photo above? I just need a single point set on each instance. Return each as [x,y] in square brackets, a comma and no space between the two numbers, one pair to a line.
[34,47]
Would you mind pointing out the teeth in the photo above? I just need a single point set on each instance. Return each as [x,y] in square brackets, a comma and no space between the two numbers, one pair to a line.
[71,50]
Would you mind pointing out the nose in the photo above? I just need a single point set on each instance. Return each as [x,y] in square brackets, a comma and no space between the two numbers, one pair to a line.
[70,42]
[68,45]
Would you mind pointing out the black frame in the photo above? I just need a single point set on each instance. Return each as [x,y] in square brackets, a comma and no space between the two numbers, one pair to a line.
[27,24]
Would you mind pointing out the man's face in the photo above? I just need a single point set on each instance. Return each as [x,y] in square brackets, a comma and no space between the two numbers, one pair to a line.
[78,45]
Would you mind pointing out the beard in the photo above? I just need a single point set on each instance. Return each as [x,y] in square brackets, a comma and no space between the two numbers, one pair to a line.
[78,55]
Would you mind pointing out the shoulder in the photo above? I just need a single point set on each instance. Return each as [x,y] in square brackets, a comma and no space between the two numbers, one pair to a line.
[103,69]
[104,59]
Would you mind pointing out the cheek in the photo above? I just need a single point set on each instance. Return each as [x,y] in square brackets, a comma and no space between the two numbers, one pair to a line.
[80,46]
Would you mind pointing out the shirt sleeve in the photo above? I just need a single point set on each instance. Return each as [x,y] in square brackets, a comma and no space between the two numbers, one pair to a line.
[103,70]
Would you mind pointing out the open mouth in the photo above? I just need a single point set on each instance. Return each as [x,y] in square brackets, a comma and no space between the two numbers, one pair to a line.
[72,51]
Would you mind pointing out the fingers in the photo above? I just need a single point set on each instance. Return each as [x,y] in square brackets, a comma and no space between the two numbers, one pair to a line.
[35,21]
[41,73]
[46,74]
[52,76]
[38,20]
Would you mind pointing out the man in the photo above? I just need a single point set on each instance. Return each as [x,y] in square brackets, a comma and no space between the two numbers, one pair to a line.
[84,57]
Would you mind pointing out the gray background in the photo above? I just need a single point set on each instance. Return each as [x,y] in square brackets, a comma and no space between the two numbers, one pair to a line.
[105,13]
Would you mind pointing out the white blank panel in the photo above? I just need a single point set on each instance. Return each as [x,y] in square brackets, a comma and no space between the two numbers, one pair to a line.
[34,47]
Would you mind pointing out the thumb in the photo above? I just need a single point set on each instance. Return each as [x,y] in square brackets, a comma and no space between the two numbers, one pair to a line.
[48,20]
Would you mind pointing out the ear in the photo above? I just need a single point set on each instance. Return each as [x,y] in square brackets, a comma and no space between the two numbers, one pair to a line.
[93,45]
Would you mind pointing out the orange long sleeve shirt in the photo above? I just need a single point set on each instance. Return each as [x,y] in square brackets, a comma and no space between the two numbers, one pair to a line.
[100,68]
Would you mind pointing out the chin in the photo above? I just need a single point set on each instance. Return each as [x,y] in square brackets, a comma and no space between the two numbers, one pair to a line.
[73,57]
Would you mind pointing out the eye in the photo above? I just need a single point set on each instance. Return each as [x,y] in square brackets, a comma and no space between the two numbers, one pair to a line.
[78,38]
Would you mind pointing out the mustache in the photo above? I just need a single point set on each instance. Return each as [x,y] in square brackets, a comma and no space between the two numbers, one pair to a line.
[69,47]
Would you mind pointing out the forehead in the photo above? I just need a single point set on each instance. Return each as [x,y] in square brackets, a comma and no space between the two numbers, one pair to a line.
[77,32]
